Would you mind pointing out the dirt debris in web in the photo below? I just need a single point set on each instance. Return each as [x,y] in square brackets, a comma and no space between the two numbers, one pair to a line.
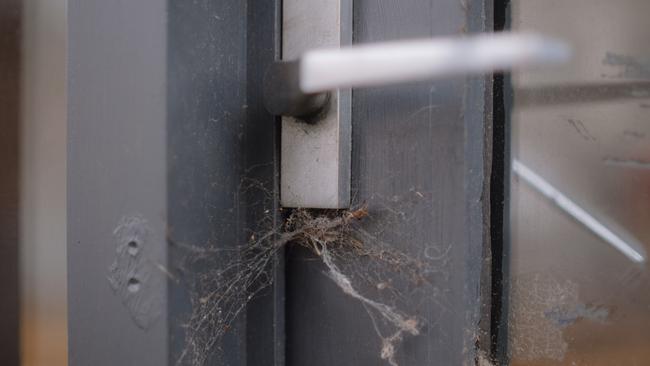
[352,257]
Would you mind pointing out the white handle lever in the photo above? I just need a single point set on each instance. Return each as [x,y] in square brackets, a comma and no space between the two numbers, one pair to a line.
[297,88]
[397,62]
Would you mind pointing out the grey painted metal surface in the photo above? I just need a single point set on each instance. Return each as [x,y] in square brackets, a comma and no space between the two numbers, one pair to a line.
[166,125]
[419,158]
[316,157]
[265,332]
[117,183]
[223,162]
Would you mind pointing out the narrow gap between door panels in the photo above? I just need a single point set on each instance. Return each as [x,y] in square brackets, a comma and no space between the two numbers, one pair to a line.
[499,192]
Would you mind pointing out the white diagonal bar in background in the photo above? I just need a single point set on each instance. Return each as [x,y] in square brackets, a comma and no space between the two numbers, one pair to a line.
[633,250]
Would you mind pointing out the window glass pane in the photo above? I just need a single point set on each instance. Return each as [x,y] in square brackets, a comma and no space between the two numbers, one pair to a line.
[580,192]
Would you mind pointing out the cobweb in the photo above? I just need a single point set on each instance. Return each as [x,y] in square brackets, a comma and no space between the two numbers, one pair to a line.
[364,267]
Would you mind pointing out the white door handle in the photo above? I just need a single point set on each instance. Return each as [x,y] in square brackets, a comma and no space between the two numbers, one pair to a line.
[398,62]
[296,87]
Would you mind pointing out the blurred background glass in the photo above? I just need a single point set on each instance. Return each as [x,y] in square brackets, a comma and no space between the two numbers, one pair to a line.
[43,184]
[584,128]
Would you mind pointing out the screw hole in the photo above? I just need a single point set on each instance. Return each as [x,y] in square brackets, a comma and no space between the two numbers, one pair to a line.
[132,247]
[133,285]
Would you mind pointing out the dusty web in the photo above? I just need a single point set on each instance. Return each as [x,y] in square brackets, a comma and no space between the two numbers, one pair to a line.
[364,267]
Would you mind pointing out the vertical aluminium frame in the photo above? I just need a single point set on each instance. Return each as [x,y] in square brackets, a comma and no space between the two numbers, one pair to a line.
[164,125]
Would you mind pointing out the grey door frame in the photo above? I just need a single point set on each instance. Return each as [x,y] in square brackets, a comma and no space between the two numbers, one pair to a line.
[162,131]
[166,122]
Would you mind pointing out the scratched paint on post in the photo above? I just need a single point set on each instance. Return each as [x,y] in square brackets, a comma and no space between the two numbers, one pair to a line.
[130,274]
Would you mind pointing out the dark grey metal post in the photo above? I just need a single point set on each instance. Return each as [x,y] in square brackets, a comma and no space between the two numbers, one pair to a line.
[165,123]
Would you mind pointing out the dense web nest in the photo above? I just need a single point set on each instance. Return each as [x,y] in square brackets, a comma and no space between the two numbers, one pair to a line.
[361,265]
